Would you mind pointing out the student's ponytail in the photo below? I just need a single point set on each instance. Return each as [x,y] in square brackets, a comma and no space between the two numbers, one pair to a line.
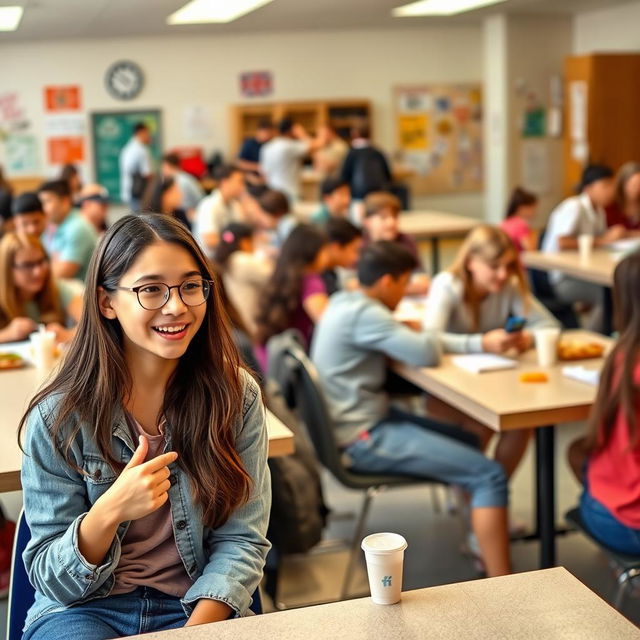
[229,243]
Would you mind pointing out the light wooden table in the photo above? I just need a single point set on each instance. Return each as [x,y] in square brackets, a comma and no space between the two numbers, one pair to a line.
[499,400]
[434,225]
[18,386]
[598,269]
[550,604]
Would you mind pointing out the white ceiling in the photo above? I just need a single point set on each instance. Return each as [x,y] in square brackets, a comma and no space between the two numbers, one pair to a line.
[54,19]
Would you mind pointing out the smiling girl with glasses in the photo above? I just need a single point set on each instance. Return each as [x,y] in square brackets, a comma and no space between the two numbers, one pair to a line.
[29,294]
[145,479]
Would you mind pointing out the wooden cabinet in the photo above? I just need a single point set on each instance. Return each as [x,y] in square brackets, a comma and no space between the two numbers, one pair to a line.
[610,116]
[311,114]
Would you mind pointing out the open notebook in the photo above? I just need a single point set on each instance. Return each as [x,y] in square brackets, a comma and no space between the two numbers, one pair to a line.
[480,362]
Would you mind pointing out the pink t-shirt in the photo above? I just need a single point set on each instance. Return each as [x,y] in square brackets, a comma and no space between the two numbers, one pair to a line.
[613,473]
[149,556]
[517,229]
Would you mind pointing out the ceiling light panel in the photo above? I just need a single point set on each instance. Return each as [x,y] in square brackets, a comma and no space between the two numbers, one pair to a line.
[440,7]
[206,11]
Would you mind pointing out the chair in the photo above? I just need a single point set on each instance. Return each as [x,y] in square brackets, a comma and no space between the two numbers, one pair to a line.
[22,593]
[309,401]
[630,565]
[543,291]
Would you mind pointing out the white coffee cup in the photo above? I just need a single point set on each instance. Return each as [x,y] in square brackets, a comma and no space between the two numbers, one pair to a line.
[384,553]
[547,345]
[585,246]
[43,348]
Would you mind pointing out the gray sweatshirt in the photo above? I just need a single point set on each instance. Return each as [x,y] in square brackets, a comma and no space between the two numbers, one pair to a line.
[446,312]
[351,346]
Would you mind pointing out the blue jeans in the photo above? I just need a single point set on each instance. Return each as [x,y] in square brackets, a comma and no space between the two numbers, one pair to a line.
[140,611]
[420,447]
[603,526]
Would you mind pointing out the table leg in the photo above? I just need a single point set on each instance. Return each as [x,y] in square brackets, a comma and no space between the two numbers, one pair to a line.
[545,495]
[435,256]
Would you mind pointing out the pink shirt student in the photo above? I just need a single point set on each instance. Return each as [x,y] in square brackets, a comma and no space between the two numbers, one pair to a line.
[518,230]
[614,472]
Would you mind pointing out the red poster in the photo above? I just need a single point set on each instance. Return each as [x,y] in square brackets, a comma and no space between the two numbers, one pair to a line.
[65,150]
[62,98]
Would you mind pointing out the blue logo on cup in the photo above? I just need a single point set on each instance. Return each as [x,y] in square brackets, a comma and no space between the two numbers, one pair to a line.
[386,581]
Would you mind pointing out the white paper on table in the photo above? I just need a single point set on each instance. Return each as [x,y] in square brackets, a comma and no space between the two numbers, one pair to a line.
[624,245]
[582,374]
[481,362]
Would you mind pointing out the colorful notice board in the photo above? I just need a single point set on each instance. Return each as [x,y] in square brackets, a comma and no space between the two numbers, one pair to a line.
[110,131]
[439,136]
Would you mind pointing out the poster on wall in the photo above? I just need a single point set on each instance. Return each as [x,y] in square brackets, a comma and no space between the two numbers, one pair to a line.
[110,131]
[64,125]
[439,136]
[22,155]
[255,84]
[62,98]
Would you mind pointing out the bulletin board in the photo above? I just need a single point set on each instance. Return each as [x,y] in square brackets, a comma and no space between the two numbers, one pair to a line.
[110,132]
[439,136]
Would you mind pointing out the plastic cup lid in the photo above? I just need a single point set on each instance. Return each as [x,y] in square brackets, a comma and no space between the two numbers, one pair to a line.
[384,543]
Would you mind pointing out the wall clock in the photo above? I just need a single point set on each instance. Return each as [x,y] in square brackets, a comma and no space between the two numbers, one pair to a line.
[124,80]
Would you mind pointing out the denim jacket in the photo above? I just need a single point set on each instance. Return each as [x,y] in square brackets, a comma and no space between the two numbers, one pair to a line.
[225,563]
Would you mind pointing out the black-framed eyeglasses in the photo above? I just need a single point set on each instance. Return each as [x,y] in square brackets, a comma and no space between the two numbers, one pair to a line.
[154,295]
[31,265]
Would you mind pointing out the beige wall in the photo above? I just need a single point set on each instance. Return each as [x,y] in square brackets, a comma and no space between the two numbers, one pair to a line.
[204,71]
[613,29]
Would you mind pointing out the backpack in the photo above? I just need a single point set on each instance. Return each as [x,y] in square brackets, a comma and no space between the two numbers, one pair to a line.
[369,173]
[298,511]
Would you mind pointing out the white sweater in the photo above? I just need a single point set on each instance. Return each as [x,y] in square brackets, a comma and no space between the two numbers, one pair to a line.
[446,312]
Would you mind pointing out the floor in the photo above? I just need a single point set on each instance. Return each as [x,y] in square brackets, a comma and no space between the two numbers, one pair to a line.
[435,539]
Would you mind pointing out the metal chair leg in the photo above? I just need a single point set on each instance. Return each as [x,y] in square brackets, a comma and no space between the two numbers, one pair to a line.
[357,537]
[435,498]
[623,580]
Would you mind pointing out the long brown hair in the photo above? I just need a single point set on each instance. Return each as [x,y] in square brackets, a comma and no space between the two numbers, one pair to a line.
[625,173]
[203,398]
[281,297]
[47,299]
[618,391]
[520,198]
[488,243]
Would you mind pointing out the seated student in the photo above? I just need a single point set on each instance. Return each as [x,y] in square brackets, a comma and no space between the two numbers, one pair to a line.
[607,460]
[30,295]
[582,214]
[70,239]
[273,216]
[336,197]
[470,304]
[124,539]
[190,189]
[220,208]
[94,206]
[70,174]
[162,195]
[625,208]
[343,251]
[28,214]
[295,296]
[381,222]
[244,273]
[352,343]
[521,210]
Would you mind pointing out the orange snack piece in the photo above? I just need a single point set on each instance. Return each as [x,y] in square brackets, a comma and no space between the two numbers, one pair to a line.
[534,376]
